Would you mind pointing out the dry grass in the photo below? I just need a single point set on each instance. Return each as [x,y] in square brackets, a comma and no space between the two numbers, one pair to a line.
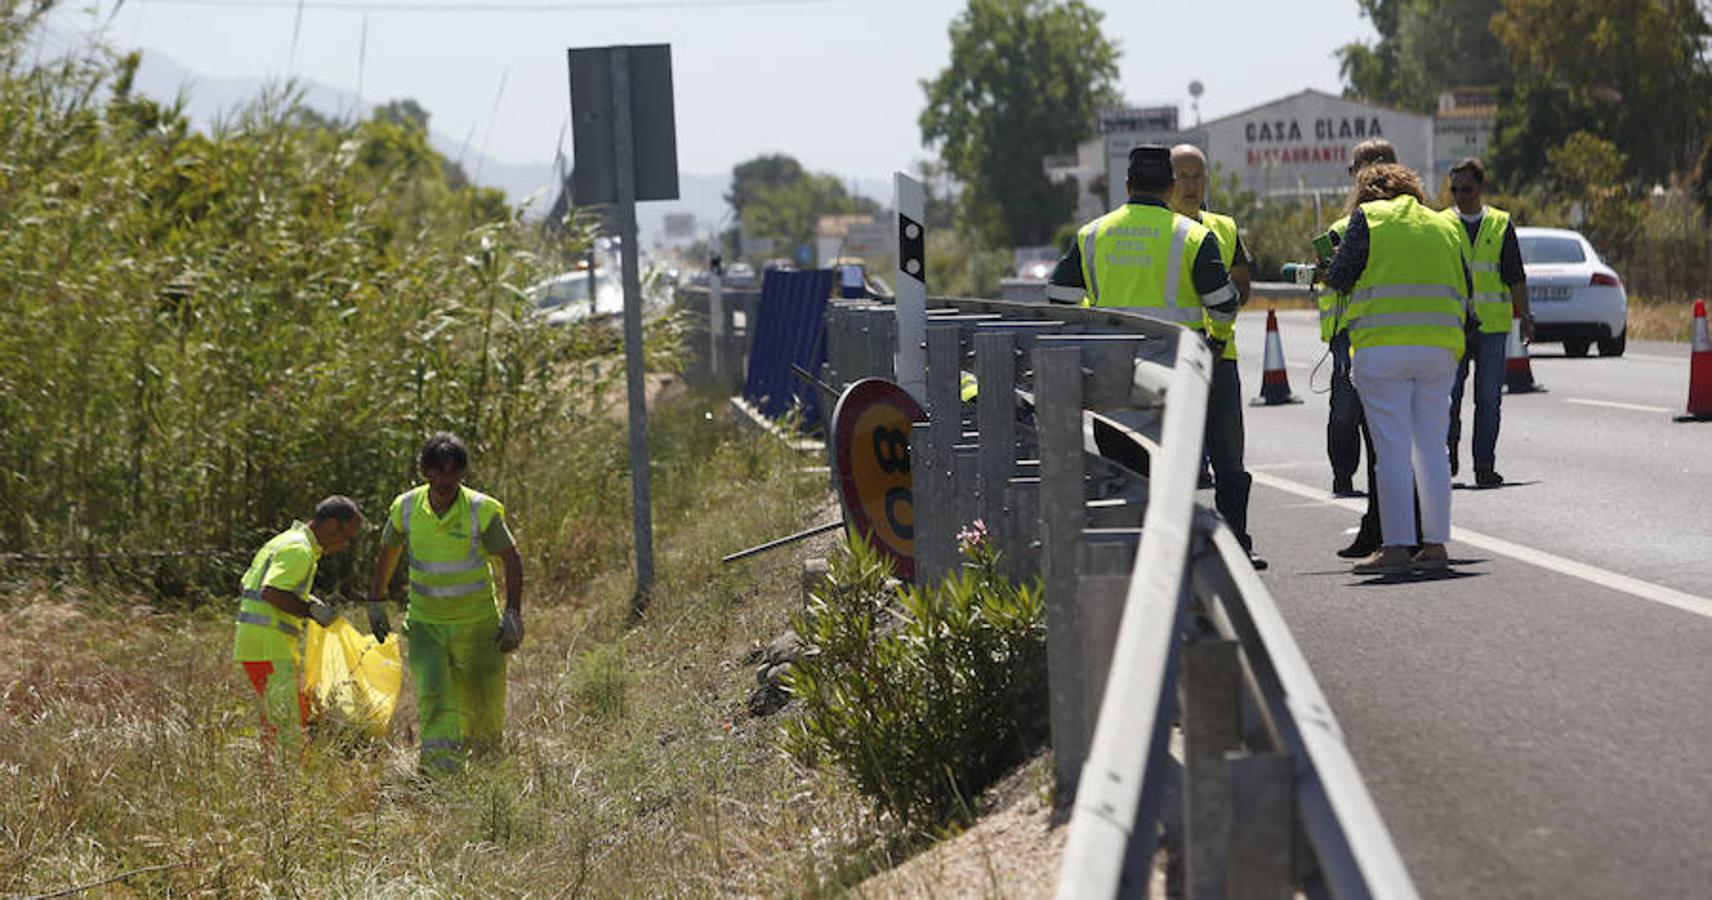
[1660,321]
[127,740]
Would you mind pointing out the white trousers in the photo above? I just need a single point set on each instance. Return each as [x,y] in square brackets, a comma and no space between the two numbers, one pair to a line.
[1405,394]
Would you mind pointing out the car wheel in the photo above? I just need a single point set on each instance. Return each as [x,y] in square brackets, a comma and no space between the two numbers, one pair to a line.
[1576,347]
[1614,346]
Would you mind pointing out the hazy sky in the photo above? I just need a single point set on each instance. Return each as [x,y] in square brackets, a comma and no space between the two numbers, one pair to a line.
[833,82]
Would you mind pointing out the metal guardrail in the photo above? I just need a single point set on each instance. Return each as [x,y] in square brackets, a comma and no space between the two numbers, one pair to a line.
[1081,454]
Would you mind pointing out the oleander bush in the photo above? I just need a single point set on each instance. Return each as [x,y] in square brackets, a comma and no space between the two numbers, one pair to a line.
[922,697]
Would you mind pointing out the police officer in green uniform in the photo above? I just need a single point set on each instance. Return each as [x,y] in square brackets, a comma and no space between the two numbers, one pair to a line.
[1146,258]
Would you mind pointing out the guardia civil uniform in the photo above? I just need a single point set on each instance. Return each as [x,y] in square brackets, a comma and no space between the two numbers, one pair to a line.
[1495,261]
[455,663]
[266,641]
[1146,258]
[1403,267]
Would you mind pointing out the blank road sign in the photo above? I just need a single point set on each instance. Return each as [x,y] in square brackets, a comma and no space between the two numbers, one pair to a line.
[653,133]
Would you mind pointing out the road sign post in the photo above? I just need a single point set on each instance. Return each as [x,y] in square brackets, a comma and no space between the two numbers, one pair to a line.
[625,145]
[911,202]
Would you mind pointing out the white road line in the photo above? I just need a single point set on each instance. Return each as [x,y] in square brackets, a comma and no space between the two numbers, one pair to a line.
[1615,405]
[1646,590]
[1649,357]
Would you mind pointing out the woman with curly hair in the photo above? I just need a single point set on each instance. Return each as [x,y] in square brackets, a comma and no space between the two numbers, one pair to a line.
[1408,282]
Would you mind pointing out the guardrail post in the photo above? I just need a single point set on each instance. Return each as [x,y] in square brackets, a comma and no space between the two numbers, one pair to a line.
[716,328]
[995,415]
[1212,683]
[1262,800]
[1058,423]
[932,474]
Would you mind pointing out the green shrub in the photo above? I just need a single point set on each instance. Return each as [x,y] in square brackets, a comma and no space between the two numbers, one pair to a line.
[922,697]
[601,683]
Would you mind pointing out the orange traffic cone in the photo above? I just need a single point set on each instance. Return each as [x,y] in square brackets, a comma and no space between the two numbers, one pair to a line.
[1274,381]
[1518,374]
[1699,370]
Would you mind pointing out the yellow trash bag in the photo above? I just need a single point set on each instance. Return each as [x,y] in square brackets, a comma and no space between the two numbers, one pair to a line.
[347,674]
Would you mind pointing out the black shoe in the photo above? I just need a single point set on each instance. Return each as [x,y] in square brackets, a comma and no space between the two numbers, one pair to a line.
[1364,545]
[1205,480]
[1343,486]
[1487,478]
[1257,561]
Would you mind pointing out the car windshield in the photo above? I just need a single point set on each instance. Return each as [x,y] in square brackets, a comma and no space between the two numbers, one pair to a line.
[1550,250]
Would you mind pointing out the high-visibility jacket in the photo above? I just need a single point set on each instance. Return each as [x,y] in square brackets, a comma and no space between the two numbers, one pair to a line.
[1224,228]
[1142,257]
[1412,291]
[1332,304]
[1491,301]
[450,582]
[287,563]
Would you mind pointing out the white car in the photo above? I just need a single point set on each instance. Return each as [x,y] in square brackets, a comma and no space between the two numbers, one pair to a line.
[1575,297]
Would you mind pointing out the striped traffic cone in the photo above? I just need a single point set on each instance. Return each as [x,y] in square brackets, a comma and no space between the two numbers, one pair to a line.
[1699,370]
[1274,381]
[1518,374]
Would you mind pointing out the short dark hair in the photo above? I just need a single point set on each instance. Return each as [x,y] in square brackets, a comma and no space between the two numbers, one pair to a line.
[339,508]
[1472,167]
[441,448]
[1150,168]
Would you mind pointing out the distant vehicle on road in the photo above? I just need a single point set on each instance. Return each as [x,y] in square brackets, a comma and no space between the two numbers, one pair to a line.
[566,297]
[740,275]
[1036,262]
[1576,298]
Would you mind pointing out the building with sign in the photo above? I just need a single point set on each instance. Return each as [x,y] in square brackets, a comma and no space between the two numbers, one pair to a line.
[1295,146]
[1462,128]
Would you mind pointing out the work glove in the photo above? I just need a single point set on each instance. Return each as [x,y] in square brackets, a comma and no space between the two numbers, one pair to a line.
[321,611]
[510,634]
[379,626]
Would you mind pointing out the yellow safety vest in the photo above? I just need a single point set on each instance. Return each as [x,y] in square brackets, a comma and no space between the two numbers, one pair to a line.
[1332,304]
[1412,292]
[264,632]
[1142,257]
[1491,297]
[449,578]
[1224,228]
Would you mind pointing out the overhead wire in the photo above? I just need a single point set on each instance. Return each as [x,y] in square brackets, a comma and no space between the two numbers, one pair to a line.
[508,6]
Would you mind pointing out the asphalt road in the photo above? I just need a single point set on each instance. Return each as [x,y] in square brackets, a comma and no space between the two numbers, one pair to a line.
[1539,723]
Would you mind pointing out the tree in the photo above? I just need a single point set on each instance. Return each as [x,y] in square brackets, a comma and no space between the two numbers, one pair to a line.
[1025,80]
[1424,47]
[1639,65]
[775,197]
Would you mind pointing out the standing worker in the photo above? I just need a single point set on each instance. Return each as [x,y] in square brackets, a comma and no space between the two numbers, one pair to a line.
[1402,265]
[1500,292]
[1344,431]
[457,637]
[275,599]
[1136,257]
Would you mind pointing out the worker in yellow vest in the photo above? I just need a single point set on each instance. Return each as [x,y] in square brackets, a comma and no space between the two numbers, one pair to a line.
[274,600]
[1500,293]
[1145,258]
[1403,268]
[457,636]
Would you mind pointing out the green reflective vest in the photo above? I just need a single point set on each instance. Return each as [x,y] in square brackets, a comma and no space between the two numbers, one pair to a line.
[1491,298]
[1223,228]
[1412,292]
[287,563]
[1332,304]
[1142,257]
[449,578]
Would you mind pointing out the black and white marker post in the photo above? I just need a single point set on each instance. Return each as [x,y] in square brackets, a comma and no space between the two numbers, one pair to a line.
[624,143]
[911,201]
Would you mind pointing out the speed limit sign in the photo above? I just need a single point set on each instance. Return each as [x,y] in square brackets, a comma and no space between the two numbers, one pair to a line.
[871,446]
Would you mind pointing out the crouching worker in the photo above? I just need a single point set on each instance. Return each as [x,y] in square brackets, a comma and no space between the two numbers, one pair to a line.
[274,602]
[456,637]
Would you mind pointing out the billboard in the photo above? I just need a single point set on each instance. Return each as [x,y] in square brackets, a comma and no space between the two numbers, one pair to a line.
[1301,144]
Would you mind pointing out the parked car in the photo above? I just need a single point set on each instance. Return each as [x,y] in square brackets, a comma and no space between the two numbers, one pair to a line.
[1576,298]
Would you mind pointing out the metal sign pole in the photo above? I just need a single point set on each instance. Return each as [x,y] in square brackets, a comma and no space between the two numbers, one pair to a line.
[623,152]
[911,203]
